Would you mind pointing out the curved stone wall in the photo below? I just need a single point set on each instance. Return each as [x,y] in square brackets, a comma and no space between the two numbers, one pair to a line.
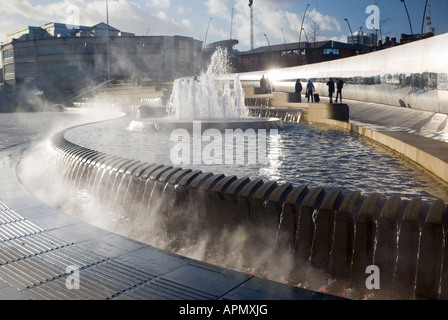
[312,229]
[413,75]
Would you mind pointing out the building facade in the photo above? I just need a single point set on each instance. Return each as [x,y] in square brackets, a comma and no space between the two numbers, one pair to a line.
[363,39]
[295,54]
[36,50]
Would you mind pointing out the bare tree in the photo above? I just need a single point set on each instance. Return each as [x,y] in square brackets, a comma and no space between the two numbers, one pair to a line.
[315,30]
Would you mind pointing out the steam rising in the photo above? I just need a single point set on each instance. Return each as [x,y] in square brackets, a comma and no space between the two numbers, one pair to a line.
[190,222]
[215,95]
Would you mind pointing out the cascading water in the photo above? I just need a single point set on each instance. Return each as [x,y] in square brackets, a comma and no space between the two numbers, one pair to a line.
[215,95]
[215,98]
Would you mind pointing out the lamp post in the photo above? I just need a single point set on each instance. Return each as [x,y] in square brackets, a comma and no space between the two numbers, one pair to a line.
[407,12]
[424,16]
[301,28]
[353,38]
[306,37]
[268,41]
[206,32]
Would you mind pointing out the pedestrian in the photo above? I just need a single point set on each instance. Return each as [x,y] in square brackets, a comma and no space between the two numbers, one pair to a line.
[330,85]
[310,90]
[340,85]
[298,91]
[263,84]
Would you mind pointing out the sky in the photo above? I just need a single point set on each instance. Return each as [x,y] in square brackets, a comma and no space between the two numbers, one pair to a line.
[275,21]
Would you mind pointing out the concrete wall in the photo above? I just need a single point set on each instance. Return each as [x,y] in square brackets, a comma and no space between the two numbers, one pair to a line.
[265,222]
[413,75]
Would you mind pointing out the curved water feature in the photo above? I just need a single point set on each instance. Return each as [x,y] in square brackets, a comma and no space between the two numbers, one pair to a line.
[252,217]
[315,155]
[324,237]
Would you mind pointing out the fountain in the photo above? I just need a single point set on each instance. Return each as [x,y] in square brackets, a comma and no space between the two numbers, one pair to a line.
[313,237]
[215,98]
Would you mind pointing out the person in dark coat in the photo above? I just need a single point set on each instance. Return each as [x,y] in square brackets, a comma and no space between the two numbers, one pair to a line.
[330,85]
[340,85]
[263,84]
[298,91]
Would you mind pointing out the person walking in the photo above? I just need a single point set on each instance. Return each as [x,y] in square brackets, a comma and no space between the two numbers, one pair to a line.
[263,84]
[298,91]
[340,85]
[310,90]
[330,85]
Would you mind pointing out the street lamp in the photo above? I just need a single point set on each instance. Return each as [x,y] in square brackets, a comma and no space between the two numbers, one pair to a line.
[268,41]
[303,19]
[301,28]
[424,16]
[205,40]
[305,35]
[407,12]
[353,38]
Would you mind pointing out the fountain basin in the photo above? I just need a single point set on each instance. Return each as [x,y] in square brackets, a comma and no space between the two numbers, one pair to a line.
[168,125]
[311,230]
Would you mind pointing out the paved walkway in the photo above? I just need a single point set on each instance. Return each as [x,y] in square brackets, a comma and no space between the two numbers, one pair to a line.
[379,116]
[44,252]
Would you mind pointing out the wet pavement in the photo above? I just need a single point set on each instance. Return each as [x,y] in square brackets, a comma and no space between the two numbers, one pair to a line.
[47,254]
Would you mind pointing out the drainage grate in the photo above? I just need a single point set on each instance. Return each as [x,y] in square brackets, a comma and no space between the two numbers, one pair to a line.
[103,280]
[162,289]
[40,264]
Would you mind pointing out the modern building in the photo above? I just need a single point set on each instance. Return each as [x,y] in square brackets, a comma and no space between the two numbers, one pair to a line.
[35,50]
[363,39]
[294,54]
